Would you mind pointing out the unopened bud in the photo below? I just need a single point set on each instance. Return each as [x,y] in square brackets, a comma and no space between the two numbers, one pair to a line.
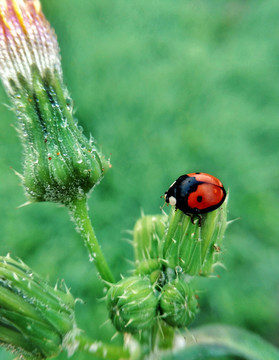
[60,164]
[178,303]
[34,317]
[132,304]
[148,234]
[195,247]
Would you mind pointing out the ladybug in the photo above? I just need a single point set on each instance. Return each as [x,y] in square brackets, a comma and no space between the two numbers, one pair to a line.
[196,193]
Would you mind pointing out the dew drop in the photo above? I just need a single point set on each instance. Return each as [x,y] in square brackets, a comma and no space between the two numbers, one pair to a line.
[69,104]
[178,269]
[64,124]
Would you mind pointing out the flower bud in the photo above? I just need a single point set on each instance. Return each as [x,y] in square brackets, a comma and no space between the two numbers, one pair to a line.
[195,247]
[132,304]
[148,234]
[34,317]
[60,164]
[178,303]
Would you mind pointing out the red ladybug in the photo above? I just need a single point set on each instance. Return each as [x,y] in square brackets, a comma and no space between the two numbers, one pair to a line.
[196,193]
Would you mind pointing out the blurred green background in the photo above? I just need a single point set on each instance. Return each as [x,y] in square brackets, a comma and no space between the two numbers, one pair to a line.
[167,87]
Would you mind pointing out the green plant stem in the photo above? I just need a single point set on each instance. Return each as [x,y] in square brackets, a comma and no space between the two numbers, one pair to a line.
[79,212]
[101,350]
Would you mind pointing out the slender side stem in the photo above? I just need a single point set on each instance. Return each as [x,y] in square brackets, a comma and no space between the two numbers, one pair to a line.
[165,336]
[101,350]
[159,337]
[79,212]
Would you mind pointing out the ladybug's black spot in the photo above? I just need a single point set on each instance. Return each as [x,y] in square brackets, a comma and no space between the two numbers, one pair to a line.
[197,173]
[199,198]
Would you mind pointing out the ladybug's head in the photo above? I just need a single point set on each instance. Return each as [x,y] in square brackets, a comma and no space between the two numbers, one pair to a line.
[169,198]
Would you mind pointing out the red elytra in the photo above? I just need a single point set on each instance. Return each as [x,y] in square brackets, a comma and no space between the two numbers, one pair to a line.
[209,194]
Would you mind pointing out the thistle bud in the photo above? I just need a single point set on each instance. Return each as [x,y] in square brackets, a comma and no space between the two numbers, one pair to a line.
[148,234]
[132,304]
[178,303]
[60,164]
[34,317]
[195,247]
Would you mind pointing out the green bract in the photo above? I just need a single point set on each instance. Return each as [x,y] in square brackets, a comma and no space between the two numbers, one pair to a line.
[148,234]
[34,317]
[167,251]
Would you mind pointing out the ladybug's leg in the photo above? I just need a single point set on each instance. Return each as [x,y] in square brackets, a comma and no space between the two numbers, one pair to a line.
[162,207]
[194,217]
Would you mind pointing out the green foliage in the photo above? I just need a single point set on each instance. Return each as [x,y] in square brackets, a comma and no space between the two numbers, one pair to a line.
[167,88]
[210,341]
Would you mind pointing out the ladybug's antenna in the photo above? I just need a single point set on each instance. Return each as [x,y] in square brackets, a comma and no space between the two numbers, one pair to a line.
[163,196]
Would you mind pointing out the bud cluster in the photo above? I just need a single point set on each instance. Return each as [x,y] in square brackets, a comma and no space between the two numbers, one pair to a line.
[136,304]
[169,251]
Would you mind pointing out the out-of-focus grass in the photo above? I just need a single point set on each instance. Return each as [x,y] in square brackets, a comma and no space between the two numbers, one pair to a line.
[167,88]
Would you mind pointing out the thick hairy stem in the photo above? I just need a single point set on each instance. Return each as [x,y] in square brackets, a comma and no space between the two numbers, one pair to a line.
[101,350]
[79,212]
